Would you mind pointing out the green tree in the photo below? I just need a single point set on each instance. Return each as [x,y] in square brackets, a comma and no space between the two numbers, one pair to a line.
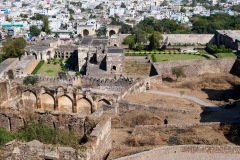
[129,40]
[46,25]
[236,8]
[154,40]
[140,36]
[102,31]
[139,47]
[14,47]
[79,36]
[71,18]
[178,72]
[34,30]
[183,10]
[125,29]
[123,5]
[99,6]
[71,11]
[56,35]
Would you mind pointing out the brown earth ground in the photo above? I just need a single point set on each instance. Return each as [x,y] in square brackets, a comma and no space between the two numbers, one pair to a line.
[207,87]
[127,140]
[135,68]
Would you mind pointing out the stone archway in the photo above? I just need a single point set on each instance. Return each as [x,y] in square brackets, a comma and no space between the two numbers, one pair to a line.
[85,32]
[48,55]
[84,105]
[47,101]
[29,100]
[35,55]
[111,32]
[65,104]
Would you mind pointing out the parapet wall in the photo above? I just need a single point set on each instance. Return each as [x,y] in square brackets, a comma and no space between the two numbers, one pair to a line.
[196,67]
[72,122]
[84,82]
[183,148]
[236,68]
[102,141]
[137,87]
[125,106]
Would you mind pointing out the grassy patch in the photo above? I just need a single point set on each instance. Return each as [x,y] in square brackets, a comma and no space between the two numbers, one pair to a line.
[175,57]
[41,133]
[38,67]
[226,55]
[49,69]
[5,137]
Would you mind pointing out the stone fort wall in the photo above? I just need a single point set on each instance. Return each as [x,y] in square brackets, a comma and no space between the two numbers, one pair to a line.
[196,67]
[183,148]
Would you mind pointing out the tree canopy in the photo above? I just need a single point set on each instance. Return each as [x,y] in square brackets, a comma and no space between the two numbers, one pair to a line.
[46,25]
[214,22]
[14,47]
[102,31]
[34,30]
[154,40]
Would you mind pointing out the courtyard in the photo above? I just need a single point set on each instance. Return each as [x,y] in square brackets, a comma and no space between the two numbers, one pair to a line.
[49,69]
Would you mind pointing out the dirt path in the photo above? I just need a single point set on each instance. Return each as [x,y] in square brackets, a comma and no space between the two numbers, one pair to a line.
[191,98]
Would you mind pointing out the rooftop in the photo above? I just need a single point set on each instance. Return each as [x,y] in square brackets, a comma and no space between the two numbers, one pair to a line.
[5,64]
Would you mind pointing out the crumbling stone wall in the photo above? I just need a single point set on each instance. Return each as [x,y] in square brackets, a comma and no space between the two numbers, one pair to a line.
[72,122]
[137,87]
[126,106]
[36,150]
[4,91]
[196,67]
[102,141]
[97,149]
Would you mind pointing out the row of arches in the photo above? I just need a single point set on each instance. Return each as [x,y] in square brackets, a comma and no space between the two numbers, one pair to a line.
[86,32]
[63,103]
[41,55]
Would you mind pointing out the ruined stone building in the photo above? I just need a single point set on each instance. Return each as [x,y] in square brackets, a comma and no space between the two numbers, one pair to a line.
[51,48]
[97,58]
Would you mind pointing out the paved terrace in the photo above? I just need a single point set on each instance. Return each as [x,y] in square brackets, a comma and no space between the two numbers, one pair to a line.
[188,152]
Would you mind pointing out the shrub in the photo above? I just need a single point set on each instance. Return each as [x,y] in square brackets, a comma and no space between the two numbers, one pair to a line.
[5,137]
[154,59]
[30,80]
[48,135]
[178,72]
[40,64]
